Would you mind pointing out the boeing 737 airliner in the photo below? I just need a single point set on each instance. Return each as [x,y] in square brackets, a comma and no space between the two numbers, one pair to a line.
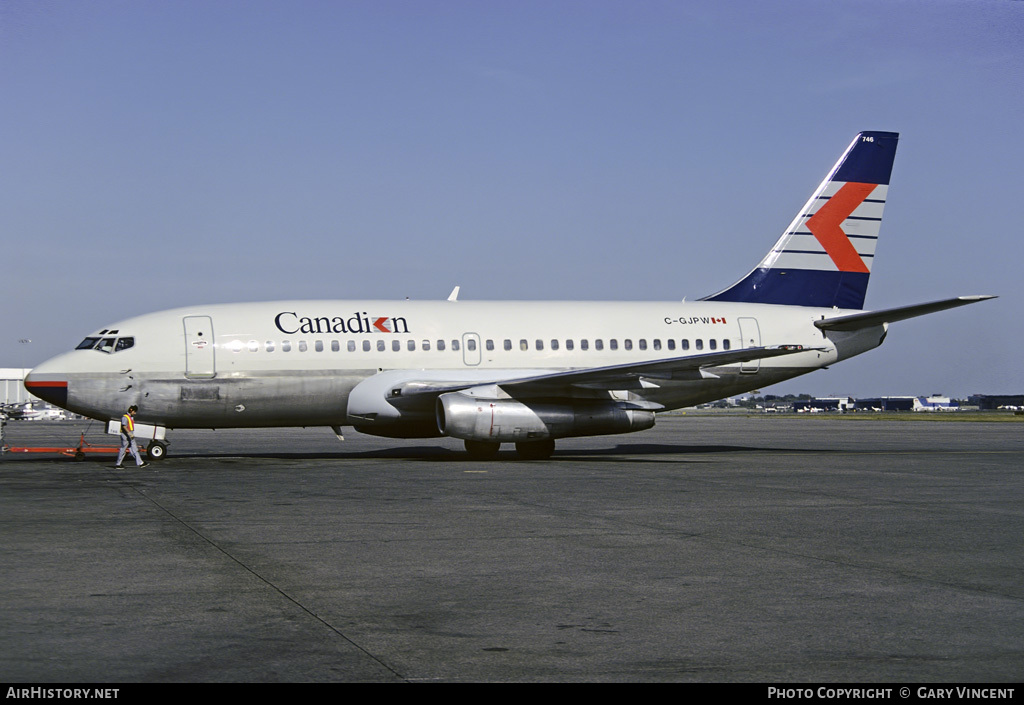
[502,372]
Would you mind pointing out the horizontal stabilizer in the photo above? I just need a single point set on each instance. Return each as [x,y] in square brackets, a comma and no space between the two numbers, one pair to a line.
[856,321]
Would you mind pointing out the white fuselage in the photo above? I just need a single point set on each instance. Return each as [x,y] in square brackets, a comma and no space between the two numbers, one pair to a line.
[296,363]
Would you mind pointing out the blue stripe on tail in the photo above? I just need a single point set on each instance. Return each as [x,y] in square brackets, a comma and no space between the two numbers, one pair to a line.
[799,287]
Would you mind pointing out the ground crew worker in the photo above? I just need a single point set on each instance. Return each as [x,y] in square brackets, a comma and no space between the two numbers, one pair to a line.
[128,438]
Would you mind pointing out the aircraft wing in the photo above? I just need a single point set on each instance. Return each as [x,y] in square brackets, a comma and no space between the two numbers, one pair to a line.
[414,392]
[867,319]
[624,376]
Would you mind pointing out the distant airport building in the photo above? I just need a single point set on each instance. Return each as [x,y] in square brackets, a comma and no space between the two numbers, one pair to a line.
[933,403]
[12,385]
[886,404]
[1014,402]
[820,404]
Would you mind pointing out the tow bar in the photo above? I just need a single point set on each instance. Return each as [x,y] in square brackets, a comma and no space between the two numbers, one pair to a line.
[78,452]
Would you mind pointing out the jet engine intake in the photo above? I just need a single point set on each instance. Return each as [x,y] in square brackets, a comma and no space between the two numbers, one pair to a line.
[510,421]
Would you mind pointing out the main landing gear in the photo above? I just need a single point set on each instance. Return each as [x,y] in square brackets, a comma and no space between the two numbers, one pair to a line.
[526,450]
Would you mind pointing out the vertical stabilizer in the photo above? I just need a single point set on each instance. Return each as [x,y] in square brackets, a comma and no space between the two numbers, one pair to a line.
[824,257]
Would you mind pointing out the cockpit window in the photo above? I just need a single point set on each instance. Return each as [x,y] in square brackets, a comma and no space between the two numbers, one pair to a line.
[107,345]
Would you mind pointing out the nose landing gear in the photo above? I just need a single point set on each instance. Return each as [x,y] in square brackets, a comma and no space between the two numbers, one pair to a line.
[156,450]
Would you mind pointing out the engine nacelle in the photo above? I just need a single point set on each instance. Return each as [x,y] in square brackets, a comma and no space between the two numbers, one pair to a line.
[510,421]
[370,409]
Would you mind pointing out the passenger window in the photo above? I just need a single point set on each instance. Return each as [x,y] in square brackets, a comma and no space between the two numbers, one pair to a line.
[286,346]
[380,346]
[540,344]
[335,346]
[671,344]
[254,345]
[699,344]
[302,346]
[426,345]
[657,343]
[713,344]
[642,344]
[686,344]
[440,345]
[411,345]
[270,346]
[396,345]
[554,344]
[471,344]
[508,344]
[523,344]
[584,345]
[569,344]
[351,346]
[455,345]
[725,344]
[489,345]
[598,344]
[613,344]
[366,346]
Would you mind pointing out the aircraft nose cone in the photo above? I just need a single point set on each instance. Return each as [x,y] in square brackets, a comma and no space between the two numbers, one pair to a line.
[47,388]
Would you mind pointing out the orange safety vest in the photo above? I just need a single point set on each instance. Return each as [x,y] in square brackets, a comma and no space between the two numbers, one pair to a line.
[128,423]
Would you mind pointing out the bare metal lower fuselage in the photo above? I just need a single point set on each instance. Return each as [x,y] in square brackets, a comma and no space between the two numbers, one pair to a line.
[320,399]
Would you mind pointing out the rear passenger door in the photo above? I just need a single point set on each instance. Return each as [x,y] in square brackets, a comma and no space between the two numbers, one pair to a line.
[750,337]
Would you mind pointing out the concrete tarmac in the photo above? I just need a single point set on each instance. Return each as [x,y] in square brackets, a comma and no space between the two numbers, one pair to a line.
[725,549]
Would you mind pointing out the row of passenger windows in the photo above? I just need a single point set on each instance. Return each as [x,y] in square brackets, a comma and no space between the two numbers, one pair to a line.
[472,345]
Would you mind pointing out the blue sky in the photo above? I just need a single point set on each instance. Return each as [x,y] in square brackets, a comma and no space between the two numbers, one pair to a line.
[172,152]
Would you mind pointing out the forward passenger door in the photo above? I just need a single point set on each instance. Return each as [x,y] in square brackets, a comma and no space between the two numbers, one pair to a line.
[200,355]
